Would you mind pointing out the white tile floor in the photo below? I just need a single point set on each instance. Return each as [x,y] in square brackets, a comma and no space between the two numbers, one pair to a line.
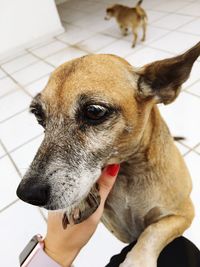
[173,27]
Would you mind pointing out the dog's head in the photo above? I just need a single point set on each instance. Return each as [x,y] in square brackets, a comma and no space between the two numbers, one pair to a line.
[94,111]
[111,12]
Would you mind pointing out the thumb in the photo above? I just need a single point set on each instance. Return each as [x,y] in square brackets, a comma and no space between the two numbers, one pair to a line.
[107,180]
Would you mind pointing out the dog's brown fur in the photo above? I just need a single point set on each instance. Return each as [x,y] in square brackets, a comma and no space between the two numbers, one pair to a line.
[127,17]
[150,200]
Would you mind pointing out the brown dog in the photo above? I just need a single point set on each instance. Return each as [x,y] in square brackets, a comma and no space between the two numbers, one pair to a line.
[99,110]
[128,17]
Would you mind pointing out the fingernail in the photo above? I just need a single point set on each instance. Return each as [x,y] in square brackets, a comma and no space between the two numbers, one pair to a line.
[113,169]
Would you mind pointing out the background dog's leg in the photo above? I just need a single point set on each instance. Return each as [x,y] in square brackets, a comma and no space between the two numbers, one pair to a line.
[144,27]
[135,37]
[155,237]
[124,30]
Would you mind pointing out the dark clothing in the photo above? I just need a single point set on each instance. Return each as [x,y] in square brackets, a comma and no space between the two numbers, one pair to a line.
[179,253]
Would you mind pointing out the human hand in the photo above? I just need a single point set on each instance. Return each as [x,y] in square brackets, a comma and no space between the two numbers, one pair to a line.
[64,245]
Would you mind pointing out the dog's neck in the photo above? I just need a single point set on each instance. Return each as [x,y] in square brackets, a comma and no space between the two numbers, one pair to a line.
[155,141]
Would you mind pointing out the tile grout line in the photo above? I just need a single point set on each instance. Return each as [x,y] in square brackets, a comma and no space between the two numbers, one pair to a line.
[42,214]
[69,46]
[193,83]
[20,146]
[20,86]
[3,72]
[9,93]
[47,62]
[174,11]
[31,64]
[96,51]
[183,144]
[190,93]
[40,46]
[189,151]
[13,58]
[11,73]
[24,87]
[13,115]
[87,38]
[93,32]
[176,29]
[19,173]
[43,59]
[189,86]
[34,81]
[166,15]
[2,156]
[11,159]
[170,31]
[24,52]
[194,148]
[9,205]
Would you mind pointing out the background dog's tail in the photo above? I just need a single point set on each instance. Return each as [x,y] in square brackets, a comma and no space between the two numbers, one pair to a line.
[140,11]
[139,2]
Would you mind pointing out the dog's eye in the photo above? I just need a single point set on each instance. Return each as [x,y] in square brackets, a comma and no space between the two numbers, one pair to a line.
[95,112]
[39,115]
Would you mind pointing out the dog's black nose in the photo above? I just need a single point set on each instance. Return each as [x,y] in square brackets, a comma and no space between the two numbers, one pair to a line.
[35,194]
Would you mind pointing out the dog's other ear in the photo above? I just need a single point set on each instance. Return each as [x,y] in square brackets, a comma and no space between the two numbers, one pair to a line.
[163,79]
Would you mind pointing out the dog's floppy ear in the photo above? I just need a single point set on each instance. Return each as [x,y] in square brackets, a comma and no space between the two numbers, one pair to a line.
[163,79]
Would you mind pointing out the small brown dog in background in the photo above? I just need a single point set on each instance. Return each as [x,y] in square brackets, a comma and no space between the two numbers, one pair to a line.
[129,17]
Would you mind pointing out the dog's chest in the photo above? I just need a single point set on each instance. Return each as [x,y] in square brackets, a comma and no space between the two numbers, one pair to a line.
[124,211]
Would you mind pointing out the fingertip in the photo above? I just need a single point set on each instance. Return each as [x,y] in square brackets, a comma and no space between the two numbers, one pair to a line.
[112,170]
[108,177]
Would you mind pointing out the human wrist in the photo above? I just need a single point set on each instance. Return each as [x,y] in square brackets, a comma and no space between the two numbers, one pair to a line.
[61,253]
